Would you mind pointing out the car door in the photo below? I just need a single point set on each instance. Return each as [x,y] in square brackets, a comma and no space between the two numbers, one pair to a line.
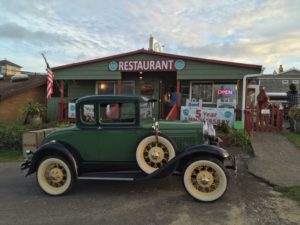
[119,132]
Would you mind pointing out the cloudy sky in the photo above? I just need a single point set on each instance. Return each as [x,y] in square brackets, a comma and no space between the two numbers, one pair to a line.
[264,32]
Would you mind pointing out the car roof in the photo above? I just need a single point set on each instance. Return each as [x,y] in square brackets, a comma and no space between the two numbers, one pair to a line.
[114,98]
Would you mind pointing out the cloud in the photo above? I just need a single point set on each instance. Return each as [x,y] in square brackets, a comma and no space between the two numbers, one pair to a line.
[254,31]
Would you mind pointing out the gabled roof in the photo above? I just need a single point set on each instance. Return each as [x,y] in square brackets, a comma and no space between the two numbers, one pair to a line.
[6,62]
[150,52]
[291,73]
[8,88]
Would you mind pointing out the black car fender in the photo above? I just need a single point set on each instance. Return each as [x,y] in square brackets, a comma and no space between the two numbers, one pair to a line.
[179,161]
[55,148]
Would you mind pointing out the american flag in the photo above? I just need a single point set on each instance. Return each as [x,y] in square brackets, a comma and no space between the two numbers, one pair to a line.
[50,77]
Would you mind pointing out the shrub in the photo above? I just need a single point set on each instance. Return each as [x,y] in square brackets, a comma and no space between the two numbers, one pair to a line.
[11,134]
[294,113]
[242,139]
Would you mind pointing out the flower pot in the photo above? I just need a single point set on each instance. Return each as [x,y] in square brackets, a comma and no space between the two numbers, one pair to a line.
[35,119]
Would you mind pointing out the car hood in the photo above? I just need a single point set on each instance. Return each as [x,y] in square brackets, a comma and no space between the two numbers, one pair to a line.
[174,125]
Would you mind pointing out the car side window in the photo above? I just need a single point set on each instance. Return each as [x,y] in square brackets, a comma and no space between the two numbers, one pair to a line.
[88,114]
[117,113]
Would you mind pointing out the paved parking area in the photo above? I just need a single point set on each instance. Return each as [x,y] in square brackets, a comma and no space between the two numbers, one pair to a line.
[163,201]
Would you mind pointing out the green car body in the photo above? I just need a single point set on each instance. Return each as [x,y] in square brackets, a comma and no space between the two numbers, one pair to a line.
[116,138]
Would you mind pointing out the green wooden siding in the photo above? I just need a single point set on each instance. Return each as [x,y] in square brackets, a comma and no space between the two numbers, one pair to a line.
[208,71]
[93,71]
[80,88]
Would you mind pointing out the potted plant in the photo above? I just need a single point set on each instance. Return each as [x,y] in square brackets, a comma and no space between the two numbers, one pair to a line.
[294,113]
[33,112]
[225,133]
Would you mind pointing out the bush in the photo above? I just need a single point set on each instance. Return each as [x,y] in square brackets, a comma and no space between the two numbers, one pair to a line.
[294,113]
[11,134]
[242,139]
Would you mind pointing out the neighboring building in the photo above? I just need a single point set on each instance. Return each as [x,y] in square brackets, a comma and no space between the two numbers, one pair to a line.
[280,82]
[13,95]
[8,68]
[277,85]
[152,74]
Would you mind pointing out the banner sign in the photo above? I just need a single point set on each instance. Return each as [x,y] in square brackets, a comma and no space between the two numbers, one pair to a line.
[211,115]
[71,110]
[147,65]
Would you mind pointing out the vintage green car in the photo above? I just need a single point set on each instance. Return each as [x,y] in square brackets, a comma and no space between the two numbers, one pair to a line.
[116,138]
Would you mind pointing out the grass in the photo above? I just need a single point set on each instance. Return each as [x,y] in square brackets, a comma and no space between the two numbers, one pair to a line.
[293,137]
[10,156]
[291,192]
[294,191]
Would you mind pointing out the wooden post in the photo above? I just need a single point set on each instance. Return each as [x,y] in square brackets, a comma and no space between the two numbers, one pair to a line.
[119,87]
[178,94]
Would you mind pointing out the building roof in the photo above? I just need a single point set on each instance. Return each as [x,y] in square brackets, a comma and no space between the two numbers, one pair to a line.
[150,52]
[291,73]
[8,88]
[6,62]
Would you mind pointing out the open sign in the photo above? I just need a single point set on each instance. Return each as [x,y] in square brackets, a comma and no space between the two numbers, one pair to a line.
[227,92]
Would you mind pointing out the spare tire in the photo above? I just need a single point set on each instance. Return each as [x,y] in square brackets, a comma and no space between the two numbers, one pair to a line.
[151,154]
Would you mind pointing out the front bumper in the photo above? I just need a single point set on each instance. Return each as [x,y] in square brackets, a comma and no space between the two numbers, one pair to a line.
[25,165]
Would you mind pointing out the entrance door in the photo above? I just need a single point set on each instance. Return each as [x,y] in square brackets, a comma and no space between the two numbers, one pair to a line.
[150,88]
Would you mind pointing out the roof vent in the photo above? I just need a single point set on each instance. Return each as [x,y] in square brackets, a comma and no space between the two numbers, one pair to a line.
[20,77]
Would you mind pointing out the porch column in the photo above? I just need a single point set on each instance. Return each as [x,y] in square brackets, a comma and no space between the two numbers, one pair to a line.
[119,87]
[178,93]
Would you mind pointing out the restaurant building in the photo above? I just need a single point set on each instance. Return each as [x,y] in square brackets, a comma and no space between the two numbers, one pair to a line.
[153,74]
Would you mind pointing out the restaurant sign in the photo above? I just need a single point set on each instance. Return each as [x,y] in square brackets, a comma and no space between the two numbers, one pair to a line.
[211,115]
[147,65]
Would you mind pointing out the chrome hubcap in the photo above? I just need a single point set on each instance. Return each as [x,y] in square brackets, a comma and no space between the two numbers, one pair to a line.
[56,175]
[156,154]
[205,179]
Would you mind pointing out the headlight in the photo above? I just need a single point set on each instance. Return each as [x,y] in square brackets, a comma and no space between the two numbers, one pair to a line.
[211,130]
[205,129]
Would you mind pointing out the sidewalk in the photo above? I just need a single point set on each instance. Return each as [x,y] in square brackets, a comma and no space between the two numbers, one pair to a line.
[276,159]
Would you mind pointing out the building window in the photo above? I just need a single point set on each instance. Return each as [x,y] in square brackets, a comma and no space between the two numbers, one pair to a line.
[128,87]
[285,81]
[106,88]
[225,92]
[295,81]
[202,91]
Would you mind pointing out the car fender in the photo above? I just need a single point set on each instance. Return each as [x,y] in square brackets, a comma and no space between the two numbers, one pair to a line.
[54,148]
[181,159]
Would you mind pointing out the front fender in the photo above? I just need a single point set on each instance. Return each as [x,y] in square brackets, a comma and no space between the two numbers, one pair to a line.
[53,148]
[191,152]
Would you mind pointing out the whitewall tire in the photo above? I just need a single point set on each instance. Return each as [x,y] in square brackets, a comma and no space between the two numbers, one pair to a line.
[152,153]
[205,179]
[55,176]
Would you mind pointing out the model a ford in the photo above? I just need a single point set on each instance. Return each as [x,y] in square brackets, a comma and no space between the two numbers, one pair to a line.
[116,138]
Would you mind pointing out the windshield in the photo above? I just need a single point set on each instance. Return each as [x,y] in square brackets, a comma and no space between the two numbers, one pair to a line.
[146,110]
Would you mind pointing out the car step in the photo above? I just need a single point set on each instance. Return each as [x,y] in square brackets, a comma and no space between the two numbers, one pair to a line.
[122,176]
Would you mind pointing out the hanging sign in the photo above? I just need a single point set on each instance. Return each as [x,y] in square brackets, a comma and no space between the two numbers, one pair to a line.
[147,65]
[211,115]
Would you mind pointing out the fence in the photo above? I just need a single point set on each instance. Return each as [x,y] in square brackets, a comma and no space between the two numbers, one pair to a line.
[270,119]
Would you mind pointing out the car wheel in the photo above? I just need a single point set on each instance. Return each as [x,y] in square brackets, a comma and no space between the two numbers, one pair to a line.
[55,175]
[205,179]
[152,153]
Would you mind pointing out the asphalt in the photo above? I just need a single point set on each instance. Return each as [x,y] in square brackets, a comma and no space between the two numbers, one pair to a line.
[277,161]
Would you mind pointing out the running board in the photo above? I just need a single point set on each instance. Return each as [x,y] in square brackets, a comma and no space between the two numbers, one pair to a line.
[117,176]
